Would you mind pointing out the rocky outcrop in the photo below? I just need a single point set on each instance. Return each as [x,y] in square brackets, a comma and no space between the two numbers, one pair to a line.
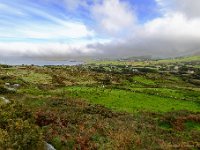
[5,100]
[49,146]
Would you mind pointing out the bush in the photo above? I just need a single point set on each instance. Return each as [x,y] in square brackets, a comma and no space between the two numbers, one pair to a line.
[5,66]
[18,129]
[4,90]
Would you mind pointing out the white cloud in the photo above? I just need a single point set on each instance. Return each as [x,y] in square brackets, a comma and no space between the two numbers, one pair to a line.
[48,31]
[49,50]
[175,26]
[190,8]
[174,33]
[113,16]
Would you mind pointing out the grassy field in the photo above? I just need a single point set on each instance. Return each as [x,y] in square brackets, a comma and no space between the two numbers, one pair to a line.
[122,100]
[181,59]
[148,62]
[80,108]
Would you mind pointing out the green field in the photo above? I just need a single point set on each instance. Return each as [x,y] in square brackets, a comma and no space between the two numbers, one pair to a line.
[121,100]
[149,62]
[99,107]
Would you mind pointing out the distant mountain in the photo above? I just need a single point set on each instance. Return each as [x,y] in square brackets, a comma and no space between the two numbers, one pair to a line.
[181,59]
[197,53]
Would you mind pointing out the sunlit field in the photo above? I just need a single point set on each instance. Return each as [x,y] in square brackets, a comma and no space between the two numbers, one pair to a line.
[98,107]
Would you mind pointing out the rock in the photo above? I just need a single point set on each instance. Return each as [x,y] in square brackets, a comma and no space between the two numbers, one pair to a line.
[7,84]
[49,146]
[16,86]
[11,89]
[5,100]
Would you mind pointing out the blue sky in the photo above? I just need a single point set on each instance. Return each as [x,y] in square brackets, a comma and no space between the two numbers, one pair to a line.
[38,15]
[79,28]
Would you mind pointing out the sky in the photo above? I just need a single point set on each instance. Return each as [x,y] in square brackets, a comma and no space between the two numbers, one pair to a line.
[61,29]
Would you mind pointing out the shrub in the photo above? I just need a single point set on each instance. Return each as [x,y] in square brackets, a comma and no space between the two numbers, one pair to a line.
[4,90]
[17,128]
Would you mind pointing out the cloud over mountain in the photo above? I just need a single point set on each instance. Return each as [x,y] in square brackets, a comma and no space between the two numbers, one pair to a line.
[66,28]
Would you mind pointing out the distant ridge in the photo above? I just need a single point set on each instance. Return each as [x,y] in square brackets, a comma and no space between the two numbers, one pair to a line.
[197,53]
[181,59]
